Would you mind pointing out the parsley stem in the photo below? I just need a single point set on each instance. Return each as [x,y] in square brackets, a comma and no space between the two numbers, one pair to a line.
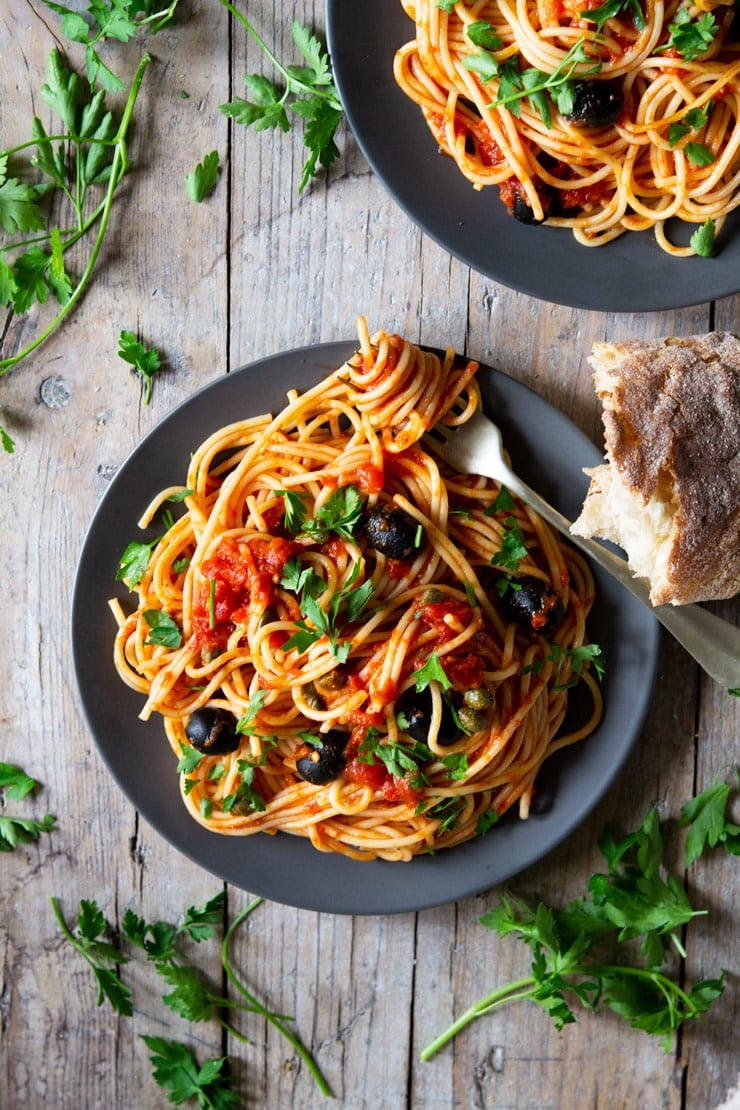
[293,82]
[118,169]
[521,988]
[258,1008]
[66,138]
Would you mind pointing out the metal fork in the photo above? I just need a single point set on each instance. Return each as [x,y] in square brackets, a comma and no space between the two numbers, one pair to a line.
[477,448]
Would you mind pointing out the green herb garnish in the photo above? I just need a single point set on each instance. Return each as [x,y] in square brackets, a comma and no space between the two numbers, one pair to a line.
[635,900]
[201,181]
[308,92]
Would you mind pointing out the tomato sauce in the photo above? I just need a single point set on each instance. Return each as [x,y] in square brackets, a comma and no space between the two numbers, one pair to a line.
[369,477]
[446,617]
[465,672]
[235,578]
[379,779]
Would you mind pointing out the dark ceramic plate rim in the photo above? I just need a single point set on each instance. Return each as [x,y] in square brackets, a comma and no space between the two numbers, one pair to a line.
[286,869]
[631,274]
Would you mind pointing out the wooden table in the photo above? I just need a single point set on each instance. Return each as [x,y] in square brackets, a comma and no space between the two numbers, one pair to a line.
[253,270]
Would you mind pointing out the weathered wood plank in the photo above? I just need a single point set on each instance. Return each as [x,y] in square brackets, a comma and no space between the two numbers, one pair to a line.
[253,270]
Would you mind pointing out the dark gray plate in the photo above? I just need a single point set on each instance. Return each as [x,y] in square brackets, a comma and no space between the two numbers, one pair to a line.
[549,451]
[631,274]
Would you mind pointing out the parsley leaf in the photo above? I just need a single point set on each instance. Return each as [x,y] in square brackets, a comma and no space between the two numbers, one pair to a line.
[447,811]
[18,208]
[613,8]
[702,240]
[432,671]
[398,759]
[15,782]
[340,513]
[294,509]
[705,816]
[481,33]
[512,549]
[699,154]
[691,37]
[145,361]
[175,1070]
[308,92]
[134,561]
[327,622]
[22,830]
[503,502]
[189,761]
[693,120]
[201,182]
[486,821]
[164,630]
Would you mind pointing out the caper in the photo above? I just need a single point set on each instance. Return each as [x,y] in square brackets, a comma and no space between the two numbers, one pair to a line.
[432,595]
[472,720]
[332,680]
[479,698]
[312,697]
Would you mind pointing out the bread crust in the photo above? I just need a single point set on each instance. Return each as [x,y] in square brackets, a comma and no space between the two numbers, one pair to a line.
[671,415]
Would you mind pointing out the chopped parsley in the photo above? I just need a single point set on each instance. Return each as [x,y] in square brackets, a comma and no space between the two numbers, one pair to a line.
[344,607]
[512,549]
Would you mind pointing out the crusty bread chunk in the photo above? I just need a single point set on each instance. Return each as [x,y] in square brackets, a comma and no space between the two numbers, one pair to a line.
[669,492]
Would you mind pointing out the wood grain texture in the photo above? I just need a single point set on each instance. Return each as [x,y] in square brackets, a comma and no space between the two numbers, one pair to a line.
[256,269]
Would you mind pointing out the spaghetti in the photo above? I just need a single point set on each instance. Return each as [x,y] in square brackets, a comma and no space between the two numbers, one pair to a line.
[602,118]
[332,631]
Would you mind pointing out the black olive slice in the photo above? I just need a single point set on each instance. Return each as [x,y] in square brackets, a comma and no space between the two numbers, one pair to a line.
[416,708]
[392,532]
[596,103]
[212,731]
[326,763]
[532,603]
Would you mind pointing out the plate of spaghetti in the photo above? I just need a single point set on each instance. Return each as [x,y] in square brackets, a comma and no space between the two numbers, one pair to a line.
[582,153]
[330,668]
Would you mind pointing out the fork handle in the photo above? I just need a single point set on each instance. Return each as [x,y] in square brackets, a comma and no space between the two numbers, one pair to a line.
[714,643]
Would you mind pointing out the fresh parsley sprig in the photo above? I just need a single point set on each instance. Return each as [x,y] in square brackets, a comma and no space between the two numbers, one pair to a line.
[308,93]
[340,513]
[103,20]
[189,993]
[703,239]
[16,785]
[399,759]
[145,360]
[98,157]
[88,937]
[512,548]
[691,37]
[344,607]
[635,899]
[537,85]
